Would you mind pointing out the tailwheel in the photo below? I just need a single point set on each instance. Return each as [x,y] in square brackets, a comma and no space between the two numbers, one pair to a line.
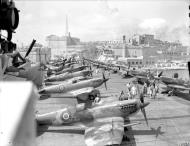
[125,138]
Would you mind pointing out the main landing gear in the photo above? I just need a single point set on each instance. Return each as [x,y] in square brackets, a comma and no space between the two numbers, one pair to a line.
[125,138]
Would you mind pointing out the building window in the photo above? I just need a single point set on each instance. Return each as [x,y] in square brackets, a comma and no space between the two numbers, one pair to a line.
[132,62]
[140,62]
[136,62]
[146,62]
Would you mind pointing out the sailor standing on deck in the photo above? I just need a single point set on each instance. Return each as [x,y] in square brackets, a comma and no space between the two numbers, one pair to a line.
[135,89]
[144,90]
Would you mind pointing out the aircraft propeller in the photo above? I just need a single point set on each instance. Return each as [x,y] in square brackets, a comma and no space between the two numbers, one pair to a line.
[142,107]
[160,74]
[30,48]
[105,80]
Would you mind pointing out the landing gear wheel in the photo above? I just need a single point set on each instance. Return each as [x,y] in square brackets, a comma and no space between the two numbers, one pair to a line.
[125,138]
[92,97]
[125,129]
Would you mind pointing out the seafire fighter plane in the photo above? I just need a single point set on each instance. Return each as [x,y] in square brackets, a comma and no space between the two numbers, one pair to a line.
[130,73]
[69,81]
[72,69]
[68,75]
[103,123]
[147,79]
[53,70]
[105,66]
[174,84]
[75,89]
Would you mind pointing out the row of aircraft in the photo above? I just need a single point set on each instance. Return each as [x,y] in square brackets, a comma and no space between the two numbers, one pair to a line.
[172,85]
[102,121]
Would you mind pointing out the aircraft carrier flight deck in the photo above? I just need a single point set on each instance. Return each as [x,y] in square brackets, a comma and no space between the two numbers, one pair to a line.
[168,118]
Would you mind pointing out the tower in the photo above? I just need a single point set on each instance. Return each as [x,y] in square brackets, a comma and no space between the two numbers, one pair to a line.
[124,47]
[66,34]
[66,27]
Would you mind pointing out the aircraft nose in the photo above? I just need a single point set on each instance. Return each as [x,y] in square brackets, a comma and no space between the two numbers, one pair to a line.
[143,105]
[105,80]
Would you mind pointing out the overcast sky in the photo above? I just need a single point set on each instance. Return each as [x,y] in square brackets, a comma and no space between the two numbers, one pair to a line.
[103,20]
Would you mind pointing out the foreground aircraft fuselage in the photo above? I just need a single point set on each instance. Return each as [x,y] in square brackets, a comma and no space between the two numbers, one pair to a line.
[66,76]
[114,109]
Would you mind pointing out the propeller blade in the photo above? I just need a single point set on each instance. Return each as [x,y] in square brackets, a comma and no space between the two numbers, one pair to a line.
[103,76]
[127,73]
[160,74]
[142,106]
[105,80]
[144,114]
[30,48]
[105,85]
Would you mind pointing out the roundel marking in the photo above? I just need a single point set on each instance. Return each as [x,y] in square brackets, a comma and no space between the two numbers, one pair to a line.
[65,116]
[61,88]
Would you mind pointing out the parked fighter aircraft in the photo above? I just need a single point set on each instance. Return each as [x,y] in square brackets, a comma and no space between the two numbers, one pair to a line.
[53,70]
[174,84]
[75,89]
[72,69]
[105,66]
[66,76]
[103,122]
[147,79]
[133,73]
[69,81]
